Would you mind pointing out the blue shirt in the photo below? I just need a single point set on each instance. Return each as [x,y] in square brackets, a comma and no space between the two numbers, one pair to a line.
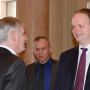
[47,74]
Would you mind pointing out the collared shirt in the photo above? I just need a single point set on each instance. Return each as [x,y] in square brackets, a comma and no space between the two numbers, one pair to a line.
[87,60]
[12,51]
[47,74]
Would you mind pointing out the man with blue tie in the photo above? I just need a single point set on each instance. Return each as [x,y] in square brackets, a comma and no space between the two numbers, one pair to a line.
[41,74]
[74,64]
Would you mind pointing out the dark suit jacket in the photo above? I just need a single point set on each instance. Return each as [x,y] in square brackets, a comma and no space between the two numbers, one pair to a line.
[12,72]
[31,74]
[67,71]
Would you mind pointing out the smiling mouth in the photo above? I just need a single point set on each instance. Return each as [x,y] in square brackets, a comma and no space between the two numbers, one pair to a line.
[77,35]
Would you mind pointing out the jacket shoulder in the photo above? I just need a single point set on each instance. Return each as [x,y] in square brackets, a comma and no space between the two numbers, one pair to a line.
[55,61]
[71,51]
[31,65]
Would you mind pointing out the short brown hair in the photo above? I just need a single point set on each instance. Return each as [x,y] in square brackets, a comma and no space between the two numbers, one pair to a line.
[85,11]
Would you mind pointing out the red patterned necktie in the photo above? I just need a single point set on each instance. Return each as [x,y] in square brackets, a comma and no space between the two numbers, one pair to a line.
[81,71]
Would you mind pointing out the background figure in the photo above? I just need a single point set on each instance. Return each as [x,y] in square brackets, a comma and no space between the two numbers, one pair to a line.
[70,63]
[42,51]
[12,42]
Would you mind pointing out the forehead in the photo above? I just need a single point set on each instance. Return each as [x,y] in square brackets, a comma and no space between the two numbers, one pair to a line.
[41,42]
[80,17]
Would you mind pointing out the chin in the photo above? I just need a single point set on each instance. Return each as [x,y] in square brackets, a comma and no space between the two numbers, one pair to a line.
[41,60]
[23,49]
[78,40]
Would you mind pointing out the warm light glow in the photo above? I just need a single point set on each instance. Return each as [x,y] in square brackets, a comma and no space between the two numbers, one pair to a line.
[88,4]
[0,9]
[7,8]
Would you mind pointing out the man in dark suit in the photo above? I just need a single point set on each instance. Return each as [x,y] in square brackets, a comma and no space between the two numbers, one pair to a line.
[70,67]
[12,42]
[42,52]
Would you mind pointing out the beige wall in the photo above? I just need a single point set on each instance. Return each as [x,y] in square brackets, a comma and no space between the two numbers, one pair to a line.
[60,13]
[35,15]
[51,18]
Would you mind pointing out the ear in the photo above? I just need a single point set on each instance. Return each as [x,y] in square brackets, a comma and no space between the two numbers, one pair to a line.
[13,35]
[33,52]
[50,49]
[34,55]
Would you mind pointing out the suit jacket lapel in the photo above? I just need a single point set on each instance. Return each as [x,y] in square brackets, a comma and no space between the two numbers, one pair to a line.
[35,76]
[87,83]
[5,63]
[69,67]
[74,65]
[53,75]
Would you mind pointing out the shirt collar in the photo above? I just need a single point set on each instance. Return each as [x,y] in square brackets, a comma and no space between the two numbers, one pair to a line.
[80,46]
[12,51]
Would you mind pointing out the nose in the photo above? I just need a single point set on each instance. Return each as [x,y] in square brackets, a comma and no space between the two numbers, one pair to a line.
[40,51]
[75,29]
[26,38]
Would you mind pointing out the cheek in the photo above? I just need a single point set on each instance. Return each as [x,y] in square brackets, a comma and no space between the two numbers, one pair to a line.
[46,53]
[73,31]
[36,53]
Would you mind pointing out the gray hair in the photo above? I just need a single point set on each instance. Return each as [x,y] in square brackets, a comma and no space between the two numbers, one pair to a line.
[40,37]
[6,25]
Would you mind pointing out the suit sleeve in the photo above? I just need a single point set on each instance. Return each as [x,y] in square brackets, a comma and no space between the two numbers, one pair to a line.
[58,79]
[15,77]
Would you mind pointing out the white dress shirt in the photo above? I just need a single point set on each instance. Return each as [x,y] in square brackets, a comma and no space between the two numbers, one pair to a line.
[87,60]
[12,51]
